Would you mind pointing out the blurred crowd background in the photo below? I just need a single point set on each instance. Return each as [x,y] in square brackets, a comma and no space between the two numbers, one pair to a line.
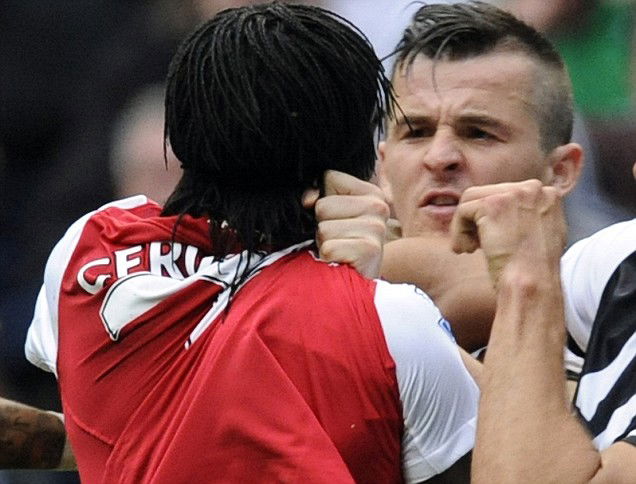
[81,123]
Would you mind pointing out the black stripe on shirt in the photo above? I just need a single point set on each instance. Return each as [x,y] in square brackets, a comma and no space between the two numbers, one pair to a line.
[574,348]
[614,324]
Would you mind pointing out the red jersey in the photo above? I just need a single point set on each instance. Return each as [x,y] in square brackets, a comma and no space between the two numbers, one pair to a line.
[296,382]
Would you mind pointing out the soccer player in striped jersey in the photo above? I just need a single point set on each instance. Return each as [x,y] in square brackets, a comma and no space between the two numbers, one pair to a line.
[598,290]
[598,281]
[526,430]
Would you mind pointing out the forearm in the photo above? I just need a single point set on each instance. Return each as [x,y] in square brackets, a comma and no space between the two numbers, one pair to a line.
[526,432]
[31,438]
[67,461]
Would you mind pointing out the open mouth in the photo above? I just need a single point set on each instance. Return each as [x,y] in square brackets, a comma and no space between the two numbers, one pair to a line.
[443,201]
[438,199]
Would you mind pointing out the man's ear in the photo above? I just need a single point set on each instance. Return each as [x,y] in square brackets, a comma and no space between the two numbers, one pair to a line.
[383,181]
[565,165]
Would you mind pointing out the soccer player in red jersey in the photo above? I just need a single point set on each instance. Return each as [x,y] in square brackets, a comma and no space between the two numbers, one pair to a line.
[204,341]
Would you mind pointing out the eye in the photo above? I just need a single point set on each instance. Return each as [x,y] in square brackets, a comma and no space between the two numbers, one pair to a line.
[416,132]
[474,132]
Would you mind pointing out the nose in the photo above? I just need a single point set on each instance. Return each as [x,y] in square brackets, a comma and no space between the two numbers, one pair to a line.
[443,155]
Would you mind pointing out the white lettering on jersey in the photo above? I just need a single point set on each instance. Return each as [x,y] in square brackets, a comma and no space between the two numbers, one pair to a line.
[130,297]
[159,262]
[190,259]
[191,254]
[122,262]
[99,281]
[167,261]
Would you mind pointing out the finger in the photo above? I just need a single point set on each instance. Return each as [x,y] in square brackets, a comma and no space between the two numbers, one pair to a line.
[550,199]
[351,206]
[502,209]
[483,191]
[309,198]
[515,224]
[464,228]
[339,183]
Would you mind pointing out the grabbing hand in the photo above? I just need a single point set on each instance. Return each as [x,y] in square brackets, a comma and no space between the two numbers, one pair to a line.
[352,217]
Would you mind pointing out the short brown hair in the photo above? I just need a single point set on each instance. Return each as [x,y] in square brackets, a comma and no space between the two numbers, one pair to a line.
[464,30]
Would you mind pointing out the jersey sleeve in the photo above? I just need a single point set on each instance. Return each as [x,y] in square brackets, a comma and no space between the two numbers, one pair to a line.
[42,337]
[438,395]
[41,342]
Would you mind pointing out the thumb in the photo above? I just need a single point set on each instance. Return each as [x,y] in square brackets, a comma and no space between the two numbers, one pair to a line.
[310,197]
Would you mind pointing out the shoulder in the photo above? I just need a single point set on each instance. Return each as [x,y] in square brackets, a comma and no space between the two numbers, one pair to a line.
[602,252]
[42,337]
[607,387]
[404,301]
[64,249]
[414,328]
[113,209]
[586,269]
[303,265]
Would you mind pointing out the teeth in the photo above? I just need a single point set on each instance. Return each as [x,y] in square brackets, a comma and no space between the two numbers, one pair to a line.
[443,200]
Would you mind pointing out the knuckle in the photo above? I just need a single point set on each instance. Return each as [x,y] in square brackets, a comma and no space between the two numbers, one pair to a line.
[321,209]
[534,184]
[467,193]
[376,191]
[381,208]
[330,177]
[532,188]
[371,246]
[378,227]
[322,233]
[329,251]
[375,246]
[550,192]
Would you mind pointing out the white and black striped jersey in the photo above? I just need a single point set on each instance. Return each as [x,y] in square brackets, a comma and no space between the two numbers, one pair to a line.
[599,285]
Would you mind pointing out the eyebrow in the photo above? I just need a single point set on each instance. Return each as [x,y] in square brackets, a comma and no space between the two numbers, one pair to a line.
[406,120]
[477,119]
[481,120]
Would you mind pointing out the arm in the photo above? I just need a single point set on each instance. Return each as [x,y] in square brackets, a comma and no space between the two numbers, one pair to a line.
[526,432]
[32,438]
[352,218]
[458,283]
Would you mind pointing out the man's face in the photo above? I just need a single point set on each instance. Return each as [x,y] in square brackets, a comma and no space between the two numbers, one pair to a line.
[473,123]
